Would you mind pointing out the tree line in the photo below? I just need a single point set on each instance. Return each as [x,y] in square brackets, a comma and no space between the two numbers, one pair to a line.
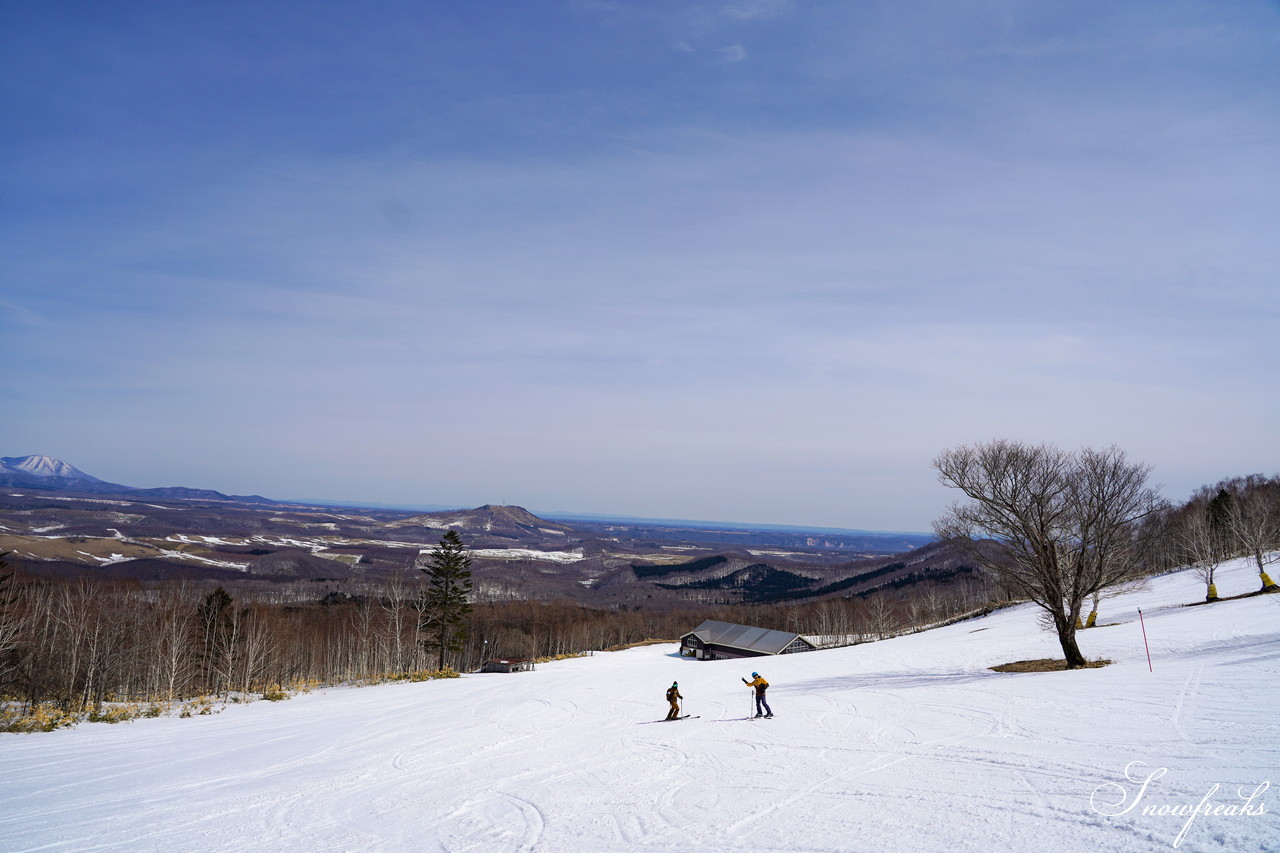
[1236,517]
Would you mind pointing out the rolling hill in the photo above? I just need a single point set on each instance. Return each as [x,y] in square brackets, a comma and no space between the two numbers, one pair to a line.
[57,520]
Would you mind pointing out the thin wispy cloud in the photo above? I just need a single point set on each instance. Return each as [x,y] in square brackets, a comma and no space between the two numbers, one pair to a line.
[732,53]
[758,9]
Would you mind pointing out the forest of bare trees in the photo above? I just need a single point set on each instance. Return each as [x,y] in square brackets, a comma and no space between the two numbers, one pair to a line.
[74,648]
[1236,517]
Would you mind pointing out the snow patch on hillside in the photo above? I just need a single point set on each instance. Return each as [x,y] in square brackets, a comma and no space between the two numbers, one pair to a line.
[524,554]
[108,560]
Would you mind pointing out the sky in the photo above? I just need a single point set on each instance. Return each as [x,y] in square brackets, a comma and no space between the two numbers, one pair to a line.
[753,260]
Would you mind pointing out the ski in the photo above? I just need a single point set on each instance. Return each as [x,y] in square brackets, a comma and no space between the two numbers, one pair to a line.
[671,719]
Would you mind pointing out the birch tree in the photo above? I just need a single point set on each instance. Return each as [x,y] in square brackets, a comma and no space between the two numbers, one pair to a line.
[9,626]
[1202,541]
[1254,520]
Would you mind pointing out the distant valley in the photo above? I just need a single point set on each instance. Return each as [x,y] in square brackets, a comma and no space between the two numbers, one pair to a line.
[57,520]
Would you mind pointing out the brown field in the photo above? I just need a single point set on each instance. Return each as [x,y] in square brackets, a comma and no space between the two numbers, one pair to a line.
[73,549]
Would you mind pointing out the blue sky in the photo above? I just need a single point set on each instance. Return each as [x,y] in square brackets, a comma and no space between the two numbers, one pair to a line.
[750,261]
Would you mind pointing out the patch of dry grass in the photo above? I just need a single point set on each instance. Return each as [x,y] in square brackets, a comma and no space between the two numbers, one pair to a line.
[1271,590]
[73,549]
[635,645]
[1044,665]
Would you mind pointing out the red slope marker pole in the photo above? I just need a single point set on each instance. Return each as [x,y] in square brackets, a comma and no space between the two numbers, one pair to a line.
[1144,639]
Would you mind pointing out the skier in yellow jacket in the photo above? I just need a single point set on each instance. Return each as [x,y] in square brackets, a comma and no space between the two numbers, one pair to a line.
[762,707]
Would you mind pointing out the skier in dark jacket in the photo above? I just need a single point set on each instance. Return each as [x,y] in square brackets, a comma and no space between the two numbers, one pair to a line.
[761,686]
[674,697]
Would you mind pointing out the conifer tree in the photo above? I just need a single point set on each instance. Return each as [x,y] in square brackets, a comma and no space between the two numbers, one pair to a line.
[445,603]
[217,627]
[1220,510]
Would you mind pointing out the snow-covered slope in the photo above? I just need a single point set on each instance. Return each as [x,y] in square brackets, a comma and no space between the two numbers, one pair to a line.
[910,744]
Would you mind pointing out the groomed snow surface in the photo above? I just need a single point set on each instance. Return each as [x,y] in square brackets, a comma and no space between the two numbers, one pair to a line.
[910,744]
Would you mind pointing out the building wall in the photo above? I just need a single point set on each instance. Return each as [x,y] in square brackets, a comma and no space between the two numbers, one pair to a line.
[710,651]
[520,666]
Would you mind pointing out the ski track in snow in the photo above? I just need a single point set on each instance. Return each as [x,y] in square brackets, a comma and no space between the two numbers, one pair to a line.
[910,744]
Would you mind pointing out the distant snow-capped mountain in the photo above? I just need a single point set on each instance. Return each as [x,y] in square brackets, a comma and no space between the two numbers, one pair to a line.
[43,467]
[48,474]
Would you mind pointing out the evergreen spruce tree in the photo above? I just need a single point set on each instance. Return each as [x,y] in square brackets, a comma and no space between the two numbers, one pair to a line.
[217,638]
[1220,510]
[445,603]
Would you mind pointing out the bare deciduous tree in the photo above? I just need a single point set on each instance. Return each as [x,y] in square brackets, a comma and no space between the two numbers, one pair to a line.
[1068,521]
[1126,586]
[881,618]
[1254,519]
[397,595]
[1202,541]
[174,624]
[10,629]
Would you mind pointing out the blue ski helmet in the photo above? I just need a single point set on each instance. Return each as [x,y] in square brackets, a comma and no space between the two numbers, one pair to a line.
[755,675]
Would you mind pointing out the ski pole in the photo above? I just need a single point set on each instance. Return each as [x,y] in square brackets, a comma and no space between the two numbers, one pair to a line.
[1144,639]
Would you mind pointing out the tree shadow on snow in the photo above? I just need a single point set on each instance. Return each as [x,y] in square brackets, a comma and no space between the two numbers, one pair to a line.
[886,681]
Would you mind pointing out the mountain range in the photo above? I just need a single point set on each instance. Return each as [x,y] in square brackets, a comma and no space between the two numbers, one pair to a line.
[49,474]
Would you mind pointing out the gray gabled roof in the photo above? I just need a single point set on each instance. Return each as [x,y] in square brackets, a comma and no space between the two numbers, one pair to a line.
[743,637]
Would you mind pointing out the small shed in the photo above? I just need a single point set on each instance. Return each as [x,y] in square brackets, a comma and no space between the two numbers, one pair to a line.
[508,665]
[714,640]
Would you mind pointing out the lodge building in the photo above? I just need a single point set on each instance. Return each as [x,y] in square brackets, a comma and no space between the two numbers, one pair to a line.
[714,640]
[508,665]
